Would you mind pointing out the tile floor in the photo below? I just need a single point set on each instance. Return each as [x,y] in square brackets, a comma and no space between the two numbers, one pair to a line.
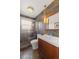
[29,54]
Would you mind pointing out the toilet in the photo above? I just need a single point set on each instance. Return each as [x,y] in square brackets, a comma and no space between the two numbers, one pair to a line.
[34,44]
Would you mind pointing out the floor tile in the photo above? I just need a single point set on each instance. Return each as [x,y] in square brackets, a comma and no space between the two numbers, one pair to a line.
[29,54]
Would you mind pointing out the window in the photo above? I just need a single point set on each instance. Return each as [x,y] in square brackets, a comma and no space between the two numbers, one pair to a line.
[26,25]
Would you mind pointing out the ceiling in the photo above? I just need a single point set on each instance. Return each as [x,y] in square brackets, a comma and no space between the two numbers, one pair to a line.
[37,5]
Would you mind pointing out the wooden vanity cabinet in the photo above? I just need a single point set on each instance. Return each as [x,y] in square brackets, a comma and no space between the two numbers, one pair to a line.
[47,51]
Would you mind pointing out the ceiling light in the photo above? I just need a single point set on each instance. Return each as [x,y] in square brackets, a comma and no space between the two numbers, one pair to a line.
[30,9]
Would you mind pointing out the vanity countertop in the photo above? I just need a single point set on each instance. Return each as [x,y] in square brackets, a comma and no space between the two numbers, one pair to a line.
[50,39]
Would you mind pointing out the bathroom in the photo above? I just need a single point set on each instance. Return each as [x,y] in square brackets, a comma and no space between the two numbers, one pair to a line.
[39,29]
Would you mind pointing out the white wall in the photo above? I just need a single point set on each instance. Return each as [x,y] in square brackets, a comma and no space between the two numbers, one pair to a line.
[53,19]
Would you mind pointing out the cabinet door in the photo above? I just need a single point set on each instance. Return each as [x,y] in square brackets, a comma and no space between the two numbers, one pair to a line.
[47,50]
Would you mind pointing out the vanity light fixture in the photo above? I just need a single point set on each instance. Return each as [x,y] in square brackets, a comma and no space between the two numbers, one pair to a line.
[45,16]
